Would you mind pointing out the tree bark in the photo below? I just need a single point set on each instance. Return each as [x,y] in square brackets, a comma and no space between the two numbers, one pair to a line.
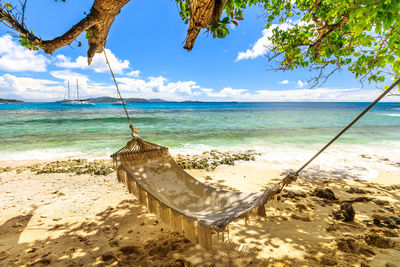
[203,14]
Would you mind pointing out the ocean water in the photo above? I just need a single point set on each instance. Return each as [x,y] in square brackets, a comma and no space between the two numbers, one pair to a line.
[285,133]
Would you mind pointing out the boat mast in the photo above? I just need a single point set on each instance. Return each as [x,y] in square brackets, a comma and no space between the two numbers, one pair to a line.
[77,89]
[69,94]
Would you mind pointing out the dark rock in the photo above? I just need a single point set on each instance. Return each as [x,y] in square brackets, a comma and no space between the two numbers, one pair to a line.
[130,250]
[379,241]
[324,193]
[346,212]
[381,202]
[395,219]
[355,190]
[108,256]
[382,221]
[328,261]
[302,218]
[360,199]
[350,245]
[377,222]
[294,195]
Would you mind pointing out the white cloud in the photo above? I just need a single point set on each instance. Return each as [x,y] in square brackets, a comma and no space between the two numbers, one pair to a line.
[262,45]
[284,82]
[29,88]
[230,93]
[299,95]
[15,58]
[98,63]
[301,84]
[158,87]
[134,73]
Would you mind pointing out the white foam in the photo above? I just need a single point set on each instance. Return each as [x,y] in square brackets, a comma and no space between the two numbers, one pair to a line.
[392,114]
[341,161]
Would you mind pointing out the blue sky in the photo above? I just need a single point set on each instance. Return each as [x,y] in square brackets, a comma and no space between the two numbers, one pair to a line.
[145,47]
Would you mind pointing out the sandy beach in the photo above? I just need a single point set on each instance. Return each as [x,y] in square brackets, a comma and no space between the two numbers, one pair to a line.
[61,219]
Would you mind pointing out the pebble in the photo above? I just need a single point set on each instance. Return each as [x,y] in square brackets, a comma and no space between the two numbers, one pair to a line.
[325,193]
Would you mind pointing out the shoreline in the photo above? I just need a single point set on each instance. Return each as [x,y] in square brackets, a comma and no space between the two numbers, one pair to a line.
[335,163]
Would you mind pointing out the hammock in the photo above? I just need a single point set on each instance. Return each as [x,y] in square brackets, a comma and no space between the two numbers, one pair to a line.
[178,199]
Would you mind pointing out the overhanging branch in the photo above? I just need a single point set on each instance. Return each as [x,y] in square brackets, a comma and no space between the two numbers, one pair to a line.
[98,22]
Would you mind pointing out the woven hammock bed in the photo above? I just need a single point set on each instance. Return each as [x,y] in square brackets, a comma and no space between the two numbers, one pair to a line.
[190,207]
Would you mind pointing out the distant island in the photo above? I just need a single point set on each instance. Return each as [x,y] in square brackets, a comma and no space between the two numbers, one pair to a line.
[10,101]
[108,99]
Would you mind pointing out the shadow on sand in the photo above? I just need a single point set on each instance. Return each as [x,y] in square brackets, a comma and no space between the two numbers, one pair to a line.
[300,232]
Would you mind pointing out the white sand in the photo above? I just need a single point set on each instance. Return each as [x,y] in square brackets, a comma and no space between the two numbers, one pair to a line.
[63,220]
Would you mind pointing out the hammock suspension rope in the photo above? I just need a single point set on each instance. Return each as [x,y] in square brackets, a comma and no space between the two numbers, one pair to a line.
[133,129]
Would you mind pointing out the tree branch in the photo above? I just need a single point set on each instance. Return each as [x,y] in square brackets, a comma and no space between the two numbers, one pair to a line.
[98,21]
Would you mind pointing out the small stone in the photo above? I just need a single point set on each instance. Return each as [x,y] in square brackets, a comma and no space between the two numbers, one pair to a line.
[355,190]
[107,256]
[324,193]
[130,250]
[327,261]
[31,250]
[301,207]
[346,212]
[379,241]
[360,199]
[302,218]
[381,202]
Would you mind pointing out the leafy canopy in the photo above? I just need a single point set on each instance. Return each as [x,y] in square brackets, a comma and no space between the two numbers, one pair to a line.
[325,35]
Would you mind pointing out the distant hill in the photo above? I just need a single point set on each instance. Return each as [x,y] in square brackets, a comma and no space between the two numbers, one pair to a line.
[107,99]
[10,101]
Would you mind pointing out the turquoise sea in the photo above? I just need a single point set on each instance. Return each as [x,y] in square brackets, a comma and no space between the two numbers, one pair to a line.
[278,130]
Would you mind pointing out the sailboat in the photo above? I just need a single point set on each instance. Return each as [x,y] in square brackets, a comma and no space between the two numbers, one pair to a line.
[77,101]
[117,102]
